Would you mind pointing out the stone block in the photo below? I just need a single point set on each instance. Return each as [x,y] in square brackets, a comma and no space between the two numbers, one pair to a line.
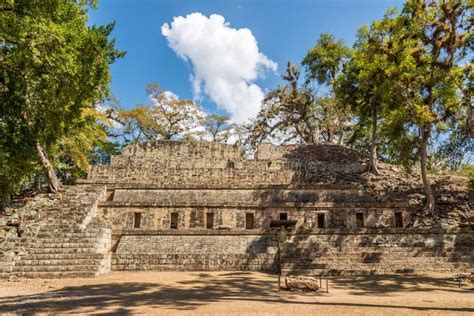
[302,283]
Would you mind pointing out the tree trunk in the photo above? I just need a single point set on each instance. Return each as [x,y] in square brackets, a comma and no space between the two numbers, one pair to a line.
[430,201]
[315,134]
[329,135]
[341,138]
[53,181]
[37,185]
[372,165]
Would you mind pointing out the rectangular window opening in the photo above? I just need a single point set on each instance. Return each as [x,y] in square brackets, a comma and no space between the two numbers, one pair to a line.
[360,220]
[249,221]
[283,216]
[209,220]
[174,221]
[398,220]
[321,221]
[137,220]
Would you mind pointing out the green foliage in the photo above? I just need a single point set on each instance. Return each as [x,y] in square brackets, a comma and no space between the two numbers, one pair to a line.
[467,170]
[83,144]
[167,118]
[52,67]
[325,59]
[296,114]
[366,86]
[218,127]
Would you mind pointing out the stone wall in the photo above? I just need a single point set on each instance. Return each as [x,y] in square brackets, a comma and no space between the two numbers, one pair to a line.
[214,165]
[194,217]
[194,252]
[242,197]
[379,252]
[56,235]
[335,252]
[120,218]
[202,154]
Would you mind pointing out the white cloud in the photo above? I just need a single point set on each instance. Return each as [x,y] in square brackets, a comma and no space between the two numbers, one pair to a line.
[225,60]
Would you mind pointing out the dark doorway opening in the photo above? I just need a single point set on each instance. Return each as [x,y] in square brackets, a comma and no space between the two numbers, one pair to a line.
[398,220]
[209,220]
[174,221]
[360,220]
[249,221]
[230,164]
[283,216]
[321,221]
[137,220]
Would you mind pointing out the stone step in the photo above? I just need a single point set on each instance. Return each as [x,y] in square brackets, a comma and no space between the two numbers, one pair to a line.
[427,260]
[68,240]
[385,253]
[71,221]
[64,245]
[59,262]
[186,267]
[52,275]
[56,268]
[84,234]
[348,249]
[70,209]
[367,267]
[62,250]
[49,233]
[62,228]
[318,266]
[368,256]
[63,256]
[93,227]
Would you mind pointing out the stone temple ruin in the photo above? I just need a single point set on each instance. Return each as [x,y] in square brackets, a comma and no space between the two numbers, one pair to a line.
[185,206]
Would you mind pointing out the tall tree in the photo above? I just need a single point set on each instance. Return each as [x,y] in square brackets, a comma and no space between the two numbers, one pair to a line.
[434,45]
[295,113]
[364,83]
[324,61]
[218,127]
[288,112]
[52,66]
[166,118]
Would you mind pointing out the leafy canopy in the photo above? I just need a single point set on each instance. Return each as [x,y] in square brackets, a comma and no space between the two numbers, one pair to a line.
[53,67]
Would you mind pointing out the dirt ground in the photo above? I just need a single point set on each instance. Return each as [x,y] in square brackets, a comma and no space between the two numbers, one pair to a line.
[224,293]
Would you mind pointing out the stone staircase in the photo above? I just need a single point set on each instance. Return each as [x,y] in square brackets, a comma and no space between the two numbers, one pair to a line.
[309,259]
[67,239]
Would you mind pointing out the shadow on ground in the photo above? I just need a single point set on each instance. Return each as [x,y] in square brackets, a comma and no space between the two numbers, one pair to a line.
[188,295]
[384,285]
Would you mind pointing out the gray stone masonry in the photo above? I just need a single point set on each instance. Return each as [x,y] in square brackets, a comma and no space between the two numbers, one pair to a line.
[64,238]
[201,206]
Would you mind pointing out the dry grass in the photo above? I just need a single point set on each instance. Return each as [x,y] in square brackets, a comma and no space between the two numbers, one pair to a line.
[224,293]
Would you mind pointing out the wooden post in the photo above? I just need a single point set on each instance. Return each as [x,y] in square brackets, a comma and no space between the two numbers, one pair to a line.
[327,285]
[279,265]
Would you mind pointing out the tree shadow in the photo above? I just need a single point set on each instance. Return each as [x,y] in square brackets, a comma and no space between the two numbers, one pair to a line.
[386,285]
[204,289]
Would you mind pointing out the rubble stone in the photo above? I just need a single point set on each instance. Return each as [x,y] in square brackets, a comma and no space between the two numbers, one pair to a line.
[301,283]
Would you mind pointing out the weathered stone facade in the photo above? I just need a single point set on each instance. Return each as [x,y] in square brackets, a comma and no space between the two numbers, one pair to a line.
[203,206]
[322,189]
[56,235]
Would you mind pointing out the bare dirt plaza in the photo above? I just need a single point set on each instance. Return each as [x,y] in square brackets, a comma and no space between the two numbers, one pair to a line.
[224,293]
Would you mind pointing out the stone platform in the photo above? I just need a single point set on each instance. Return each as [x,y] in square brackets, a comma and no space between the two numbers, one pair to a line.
[204,207]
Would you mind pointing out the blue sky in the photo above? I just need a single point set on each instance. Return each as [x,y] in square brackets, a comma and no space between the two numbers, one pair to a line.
[283,30]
